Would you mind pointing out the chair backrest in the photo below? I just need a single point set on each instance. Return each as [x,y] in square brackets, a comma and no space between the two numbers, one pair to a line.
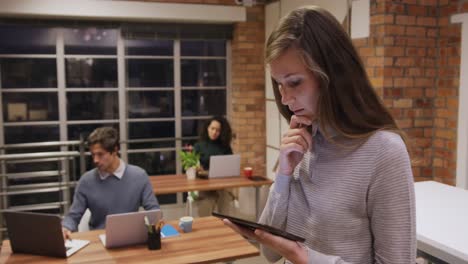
[84,222]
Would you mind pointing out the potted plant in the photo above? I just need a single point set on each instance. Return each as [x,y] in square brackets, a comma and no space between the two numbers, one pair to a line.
[190,162]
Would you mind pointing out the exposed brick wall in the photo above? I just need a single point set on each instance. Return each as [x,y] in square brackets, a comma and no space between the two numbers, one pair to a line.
[399,58]
[248,84]
[413,79]
[413,59]
[248,89]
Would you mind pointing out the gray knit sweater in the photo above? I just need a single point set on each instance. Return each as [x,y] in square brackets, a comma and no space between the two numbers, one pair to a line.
[110,196]
[352,206]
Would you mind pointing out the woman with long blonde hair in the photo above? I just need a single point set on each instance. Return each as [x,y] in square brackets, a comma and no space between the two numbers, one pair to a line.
[344,180]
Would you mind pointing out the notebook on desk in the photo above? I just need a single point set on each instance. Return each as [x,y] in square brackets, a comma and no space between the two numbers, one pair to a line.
[224,166]
[39,234]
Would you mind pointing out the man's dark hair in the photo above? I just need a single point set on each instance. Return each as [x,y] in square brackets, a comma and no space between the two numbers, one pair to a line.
[107,137]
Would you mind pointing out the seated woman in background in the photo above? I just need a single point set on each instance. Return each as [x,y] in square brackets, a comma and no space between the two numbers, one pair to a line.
[215,139]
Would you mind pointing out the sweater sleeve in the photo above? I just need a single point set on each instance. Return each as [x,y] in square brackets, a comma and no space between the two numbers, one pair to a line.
[391,205]
[148,198]
[275,212]
[80,204]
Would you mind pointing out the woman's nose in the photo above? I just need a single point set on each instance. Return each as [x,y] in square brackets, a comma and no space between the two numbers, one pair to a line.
[286,98]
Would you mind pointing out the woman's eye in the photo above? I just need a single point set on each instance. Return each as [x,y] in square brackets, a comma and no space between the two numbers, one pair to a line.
[294,83]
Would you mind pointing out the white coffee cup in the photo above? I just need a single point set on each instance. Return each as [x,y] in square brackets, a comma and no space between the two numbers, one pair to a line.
[185,223]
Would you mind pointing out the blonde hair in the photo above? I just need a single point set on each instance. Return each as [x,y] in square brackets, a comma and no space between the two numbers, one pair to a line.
[347,102]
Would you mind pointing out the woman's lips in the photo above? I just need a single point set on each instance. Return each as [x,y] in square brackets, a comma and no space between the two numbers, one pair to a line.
[298,111]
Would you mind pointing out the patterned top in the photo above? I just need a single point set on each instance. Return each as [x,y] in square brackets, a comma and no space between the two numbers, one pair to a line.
[353,205]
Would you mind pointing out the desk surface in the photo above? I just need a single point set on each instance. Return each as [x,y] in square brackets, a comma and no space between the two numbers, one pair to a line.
[442,221]
[210,241]
[166,184]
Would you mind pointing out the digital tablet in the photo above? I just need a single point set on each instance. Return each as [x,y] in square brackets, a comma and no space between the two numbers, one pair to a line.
[252,226]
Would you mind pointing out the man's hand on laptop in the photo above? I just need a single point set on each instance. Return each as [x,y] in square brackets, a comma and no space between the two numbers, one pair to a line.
[66,234]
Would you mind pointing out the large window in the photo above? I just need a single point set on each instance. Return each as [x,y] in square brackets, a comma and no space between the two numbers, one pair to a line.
[60,83]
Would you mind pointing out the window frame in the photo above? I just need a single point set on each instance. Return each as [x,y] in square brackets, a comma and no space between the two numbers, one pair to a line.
[122,90]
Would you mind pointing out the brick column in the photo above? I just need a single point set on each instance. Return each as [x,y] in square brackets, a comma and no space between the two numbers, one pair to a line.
[248,90]
[400,57]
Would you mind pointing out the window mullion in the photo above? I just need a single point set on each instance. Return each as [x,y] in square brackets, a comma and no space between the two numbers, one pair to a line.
[177,101]
[121,70]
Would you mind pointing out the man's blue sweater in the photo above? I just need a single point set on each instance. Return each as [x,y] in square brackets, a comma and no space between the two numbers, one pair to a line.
[110,196]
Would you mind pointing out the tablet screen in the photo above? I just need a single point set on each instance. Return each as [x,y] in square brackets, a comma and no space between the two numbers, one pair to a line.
[252,226]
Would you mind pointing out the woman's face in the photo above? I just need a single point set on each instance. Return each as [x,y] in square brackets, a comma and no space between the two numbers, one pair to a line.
[298,87]
[214,129]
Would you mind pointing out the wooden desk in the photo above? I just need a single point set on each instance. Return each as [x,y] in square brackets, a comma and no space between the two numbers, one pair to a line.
[442,221]
[210,241]
[166,184]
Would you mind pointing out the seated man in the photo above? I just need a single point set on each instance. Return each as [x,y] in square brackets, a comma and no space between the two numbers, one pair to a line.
[113,187]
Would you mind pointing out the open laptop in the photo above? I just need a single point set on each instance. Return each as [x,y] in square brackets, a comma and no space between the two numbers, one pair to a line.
[128,228]
[39,234]
[224,166]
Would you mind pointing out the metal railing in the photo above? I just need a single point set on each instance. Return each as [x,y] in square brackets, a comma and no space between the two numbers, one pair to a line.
[29,181]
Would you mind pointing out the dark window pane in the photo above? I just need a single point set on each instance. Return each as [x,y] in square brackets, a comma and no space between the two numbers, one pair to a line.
[151,130]
[18,107]
[150,104]
[29,199]
[76,174]
[28,73]
[203,48]
[91,72]
[192,128]
[149,47]
[92,105]
[32,166]
[46,211]
[90,41]
[74,131]
[149,144]
[19,39]
[30,134]
[203,72]
[154,163]
[33,180]
[10,150]
[150,73]
[203,102]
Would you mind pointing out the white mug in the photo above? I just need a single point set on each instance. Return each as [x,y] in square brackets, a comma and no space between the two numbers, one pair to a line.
[185,223]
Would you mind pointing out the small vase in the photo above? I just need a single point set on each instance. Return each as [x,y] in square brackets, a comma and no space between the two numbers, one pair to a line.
[191,173]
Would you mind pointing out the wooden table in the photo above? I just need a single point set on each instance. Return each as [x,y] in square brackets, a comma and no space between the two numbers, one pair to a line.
[210,241]
[442,222]
[166,184]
